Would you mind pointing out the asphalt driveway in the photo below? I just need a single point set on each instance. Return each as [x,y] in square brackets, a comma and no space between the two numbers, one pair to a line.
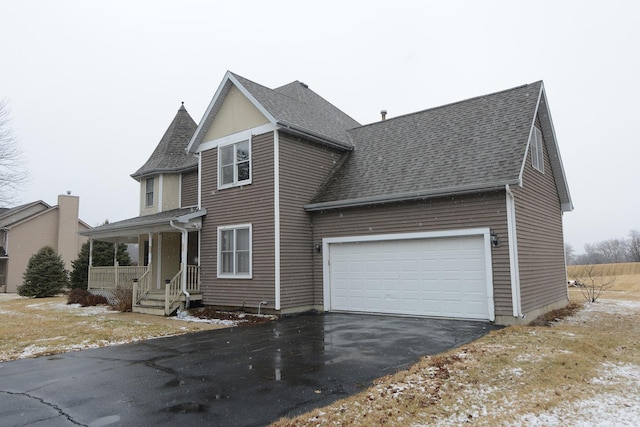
[244,376]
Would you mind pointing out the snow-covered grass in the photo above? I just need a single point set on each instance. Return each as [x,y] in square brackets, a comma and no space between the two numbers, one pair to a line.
[32,328]
[581,371]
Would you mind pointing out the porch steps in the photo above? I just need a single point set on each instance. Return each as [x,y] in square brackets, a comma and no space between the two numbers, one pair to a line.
[153,303]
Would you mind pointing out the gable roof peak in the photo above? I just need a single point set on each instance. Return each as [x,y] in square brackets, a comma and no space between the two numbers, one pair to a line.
[293,106]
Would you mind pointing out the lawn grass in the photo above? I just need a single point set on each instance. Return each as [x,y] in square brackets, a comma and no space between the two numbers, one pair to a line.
[580,368]
[44,326]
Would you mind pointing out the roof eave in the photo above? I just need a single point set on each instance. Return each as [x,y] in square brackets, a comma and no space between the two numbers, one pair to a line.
[157,171]
[135,229]
[292,129]
[406,197]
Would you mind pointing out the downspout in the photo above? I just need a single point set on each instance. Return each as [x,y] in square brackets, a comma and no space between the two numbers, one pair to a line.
[183,260]
[513,254]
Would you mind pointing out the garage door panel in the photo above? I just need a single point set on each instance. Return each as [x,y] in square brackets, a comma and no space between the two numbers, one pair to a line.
[432,277]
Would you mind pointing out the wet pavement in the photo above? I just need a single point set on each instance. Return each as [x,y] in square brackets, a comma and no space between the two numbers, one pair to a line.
[243,376]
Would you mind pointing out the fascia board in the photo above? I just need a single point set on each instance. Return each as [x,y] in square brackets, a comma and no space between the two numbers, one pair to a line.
[526,151]
[402,197]
[556,159]
[250,97]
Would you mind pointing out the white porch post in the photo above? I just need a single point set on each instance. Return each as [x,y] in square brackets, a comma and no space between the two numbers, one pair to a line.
[115,261]
[90,263]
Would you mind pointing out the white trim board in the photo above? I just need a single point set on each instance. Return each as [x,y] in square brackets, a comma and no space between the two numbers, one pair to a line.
[485,232]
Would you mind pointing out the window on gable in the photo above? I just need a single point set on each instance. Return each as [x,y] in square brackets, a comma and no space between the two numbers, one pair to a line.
[149,192]
[234,164]
[537,155]
[234,251]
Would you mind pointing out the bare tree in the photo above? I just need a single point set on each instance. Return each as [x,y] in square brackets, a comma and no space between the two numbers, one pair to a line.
[12,172]
[569,254]
[634,246]
[591,284]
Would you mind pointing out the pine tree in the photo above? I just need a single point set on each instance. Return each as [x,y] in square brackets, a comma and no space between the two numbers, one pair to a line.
[45,275]
[102,257]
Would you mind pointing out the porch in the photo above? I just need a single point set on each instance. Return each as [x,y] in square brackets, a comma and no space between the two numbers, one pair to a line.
[168,249]
[146,298]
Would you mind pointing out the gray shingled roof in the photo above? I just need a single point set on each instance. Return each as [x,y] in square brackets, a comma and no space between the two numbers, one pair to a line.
[170,155]
[301,107]
[292,106]
[470,145]
[140,224]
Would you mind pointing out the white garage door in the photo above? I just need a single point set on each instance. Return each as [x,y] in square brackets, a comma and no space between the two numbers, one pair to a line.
[444,277]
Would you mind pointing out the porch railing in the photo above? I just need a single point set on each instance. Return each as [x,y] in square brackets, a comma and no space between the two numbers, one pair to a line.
[141,287]
[113,277]
[173,289]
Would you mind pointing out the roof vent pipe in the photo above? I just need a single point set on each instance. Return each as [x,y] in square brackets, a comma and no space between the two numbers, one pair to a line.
[383,113]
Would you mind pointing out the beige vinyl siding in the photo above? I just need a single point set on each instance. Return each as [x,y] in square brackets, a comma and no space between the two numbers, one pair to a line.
[447,213]
[540,241]
[252,204]
[303,168]
[27,238]
[189,189]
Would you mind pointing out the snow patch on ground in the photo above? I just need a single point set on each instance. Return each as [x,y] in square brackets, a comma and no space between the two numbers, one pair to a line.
[186,317]
[609,408]
[59,306]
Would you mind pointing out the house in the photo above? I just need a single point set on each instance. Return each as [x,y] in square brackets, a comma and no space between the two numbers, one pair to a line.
[25,229]
[283,202]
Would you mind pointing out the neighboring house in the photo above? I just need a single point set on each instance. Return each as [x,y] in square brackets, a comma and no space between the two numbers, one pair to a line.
[25,229]
[286,202]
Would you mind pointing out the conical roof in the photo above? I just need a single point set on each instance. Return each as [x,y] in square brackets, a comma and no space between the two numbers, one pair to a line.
[170,154]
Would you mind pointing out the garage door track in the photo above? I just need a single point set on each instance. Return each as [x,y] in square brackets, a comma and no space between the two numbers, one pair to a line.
[243,376]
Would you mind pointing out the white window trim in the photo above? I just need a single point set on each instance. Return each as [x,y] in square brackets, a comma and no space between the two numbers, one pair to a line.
[235,183]
[219,247]
[537,151]
[147,192]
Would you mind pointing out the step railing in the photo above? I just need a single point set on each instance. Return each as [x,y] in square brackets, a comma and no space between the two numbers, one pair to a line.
[141,287]
[172,293]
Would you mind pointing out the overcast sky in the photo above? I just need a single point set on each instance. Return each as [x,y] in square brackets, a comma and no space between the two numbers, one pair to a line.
[92,86]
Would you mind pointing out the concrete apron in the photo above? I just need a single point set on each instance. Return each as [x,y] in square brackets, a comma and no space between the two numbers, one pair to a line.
[239,376]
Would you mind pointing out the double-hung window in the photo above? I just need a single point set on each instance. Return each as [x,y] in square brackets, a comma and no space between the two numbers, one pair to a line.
[149,192]
[537,155]
[234,164]
[234,251]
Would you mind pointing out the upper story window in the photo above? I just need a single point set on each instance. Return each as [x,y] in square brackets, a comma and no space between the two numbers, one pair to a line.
[149,192]
[234,164]
[537,155]
[234,251]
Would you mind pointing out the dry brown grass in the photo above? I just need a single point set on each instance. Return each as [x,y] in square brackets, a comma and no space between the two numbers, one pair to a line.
[38,327]
[515,376]
[619,269]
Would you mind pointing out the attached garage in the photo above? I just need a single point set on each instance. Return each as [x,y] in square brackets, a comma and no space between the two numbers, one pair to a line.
[440,274]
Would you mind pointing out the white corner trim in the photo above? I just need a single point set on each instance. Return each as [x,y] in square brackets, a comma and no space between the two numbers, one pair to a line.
[199,181]
[513,253]
[485,232]
[276,213]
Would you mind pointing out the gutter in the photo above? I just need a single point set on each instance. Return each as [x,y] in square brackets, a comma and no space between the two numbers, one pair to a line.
[403,197]
[316,137]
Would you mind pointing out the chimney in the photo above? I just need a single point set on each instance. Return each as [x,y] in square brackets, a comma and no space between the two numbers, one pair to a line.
[68,228]
[383,113]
